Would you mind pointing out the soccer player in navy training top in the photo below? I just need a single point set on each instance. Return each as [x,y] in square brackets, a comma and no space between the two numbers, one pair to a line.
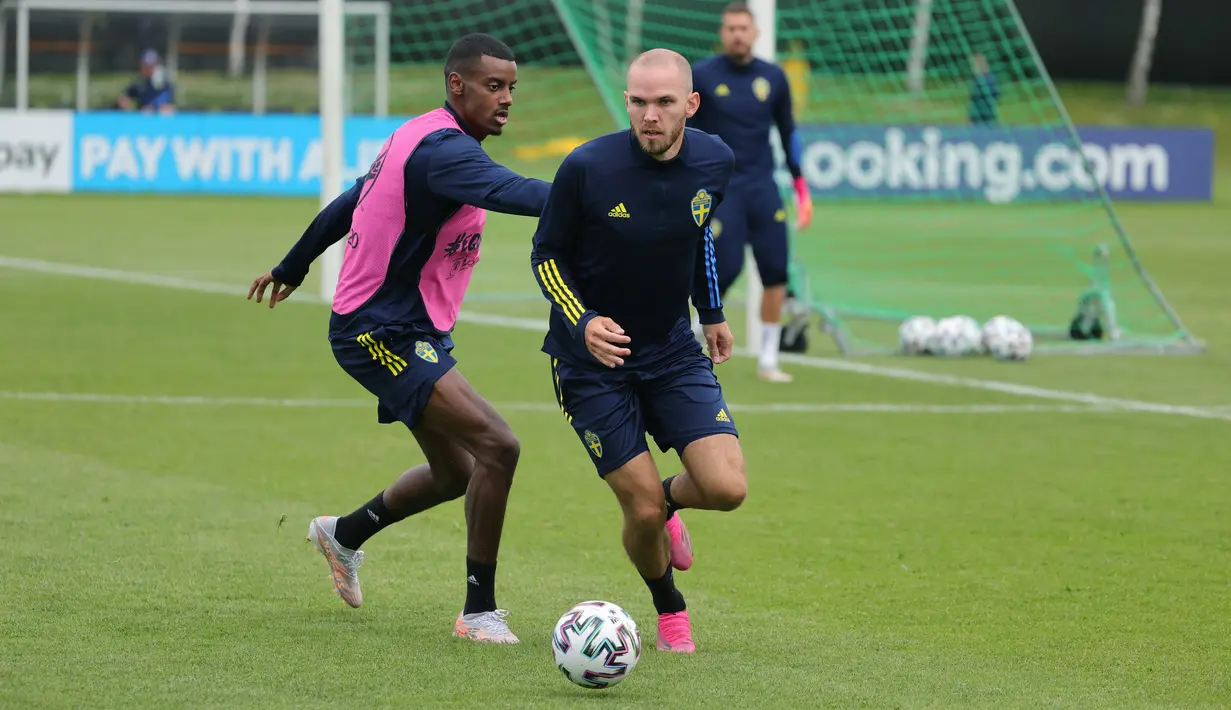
[741,98]
[623,242]
[413,227]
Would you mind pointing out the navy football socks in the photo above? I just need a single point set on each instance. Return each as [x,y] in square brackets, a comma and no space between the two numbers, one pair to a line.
[370,518]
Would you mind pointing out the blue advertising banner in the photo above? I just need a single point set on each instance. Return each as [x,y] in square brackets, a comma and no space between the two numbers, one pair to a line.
[280,155]
[986,163]
[220,154]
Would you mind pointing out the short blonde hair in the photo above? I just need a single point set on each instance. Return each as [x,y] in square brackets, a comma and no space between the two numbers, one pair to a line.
[661,57]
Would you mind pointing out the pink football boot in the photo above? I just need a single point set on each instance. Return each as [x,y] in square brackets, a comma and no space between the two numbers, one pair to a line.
[675,633]
[681,545]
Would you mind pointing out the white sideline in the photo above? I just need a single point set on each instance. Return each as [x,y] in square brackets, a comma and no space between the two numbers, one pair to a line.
[551,407]
[536,325]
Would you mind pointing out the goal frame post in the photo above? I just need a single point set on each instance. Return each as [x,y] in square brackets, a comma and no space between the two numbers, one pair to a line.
[765,47]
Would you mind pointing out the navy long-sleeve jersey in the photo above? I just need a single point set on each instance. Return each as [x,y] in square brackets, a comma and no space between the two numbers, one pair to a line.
[739,103]
[447,170]
[626,236]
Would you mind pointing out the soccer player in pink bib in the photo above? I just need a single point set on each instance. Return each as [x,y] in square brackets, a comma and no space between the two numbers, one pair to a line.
[414,227]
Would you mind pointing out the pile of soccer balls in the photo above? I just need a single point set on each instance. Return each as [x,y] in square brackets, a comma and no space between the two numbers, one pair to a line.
[957,336]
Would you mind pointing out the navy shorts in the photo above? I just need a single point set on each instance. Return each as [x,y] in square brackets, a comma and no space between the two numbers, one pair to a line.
[612,410]
[400,367]
[751,213]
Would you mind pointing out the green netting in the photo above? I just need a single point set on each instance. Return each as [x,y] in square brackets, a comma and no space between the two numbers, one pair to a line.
[555,103]
[937,252]
[972,239]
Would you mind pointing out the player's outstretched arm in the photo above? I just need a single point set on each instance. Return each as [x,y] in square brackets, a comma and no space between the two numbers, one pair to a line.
[784,119]
[460,170]
[331,225]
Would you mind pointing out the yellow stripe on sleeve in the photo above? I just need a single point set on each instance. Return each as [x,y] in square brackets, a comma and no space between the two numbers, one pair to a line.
[576,303]
[557,295]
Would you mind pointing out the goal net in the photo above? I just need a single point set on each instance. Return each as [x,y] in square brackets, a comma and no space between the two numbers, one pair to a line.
[919,209]
[556,106]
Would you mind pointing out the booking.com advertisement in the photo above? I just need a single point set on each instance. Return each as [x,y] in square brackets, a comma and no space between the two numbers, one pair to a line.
[962,162]
[281,155]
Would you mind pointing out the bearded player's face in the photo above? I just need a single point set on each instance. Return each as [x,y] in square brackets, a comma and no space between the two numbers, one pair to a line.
[738,33]
[659,101]
[484,96]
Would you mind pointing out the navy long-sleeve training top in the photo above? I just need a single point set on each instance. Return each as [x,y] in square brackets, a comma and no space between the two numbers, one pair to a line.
[739,103]
[627,236]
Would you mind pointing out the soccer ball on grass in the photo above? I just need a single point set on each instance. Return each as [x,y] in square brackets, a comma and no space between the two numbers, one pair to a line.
[957,336]
[915,335]
[1007,339]
[596,644]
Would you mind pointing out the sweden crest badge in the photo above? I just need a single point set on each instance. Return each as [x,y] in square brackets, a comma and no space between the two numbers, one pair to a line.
[426,352]
[701,204]
[594,444]
[760,87]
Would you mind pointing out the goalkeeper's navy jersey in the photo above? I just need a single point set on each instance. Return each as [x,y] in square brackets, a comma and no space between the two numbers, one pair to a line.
[739,103]
[626,236]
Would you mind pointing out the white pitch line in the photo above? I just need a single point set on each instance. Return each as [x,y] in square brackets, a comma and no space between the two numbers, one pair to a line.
[128,277]
[551,407]
[180,401]
[540,326]
[905,408]
[1011,388]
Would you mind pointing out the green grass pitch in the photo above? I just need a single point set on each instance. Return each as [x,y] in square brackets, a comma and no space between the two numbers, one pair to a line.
[929,542]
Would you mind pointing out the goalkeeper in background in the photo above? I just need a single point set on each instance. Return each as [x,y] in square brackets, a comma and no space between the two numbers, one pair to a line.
[741,98]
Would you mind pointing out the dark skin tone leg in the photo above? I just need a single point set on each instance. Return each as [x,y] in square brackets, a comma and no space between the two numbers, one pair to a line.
[457,422]
[443,478]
